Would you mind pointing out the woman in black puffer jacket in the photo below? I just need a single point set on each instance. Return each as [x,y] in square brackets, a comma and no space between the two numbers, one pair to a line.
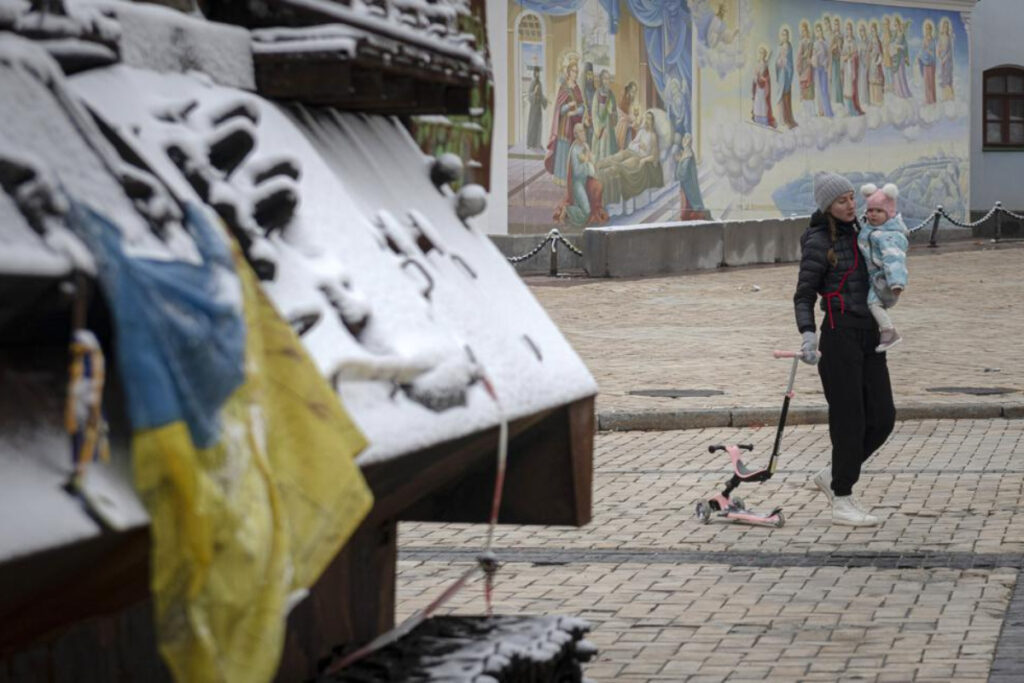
[854,377]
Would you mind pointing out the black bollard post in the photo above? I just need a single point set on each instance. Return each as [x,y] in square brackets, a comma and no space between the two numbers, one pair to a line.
[553,264]
[999,220]
[932,241]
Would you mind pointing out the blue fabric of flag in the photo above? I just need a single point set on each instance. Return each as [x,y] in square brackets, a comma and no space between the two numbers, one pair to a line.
[179,330]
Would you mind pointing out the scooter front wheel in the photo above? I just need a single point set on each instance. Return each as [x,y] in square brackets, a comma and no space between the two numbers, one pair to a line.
[703,512]
[782,521]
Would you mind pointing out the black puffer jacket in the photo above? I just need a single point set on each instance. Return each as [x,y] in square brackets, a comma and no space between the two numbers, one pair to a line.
[849,303]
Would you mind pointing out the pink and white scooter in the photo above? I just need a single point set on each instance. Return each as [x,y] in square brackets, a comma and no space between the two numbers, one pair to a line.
[726,508]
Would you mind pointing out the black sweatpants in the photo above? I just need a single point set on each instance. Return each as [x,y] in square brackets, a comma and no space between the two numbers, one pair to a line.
[861,414]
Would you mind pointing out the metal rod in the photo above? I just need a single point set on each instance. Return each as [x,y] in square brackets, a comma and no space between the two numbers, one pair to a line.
[999,220]
[782,416]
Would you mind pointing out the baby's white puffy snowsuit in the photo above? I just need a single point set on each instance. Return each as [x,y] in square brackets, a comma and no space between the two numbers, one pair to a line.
[885,252]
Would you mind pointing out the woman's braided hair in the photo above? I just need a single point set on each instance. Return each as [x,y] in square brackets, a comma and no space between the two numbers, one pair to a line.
[834,234]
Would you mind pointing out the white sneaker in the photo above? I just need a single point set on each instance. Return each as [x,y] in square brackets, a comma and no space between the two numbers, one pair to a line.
[859,504]
[823,480]
[845,512]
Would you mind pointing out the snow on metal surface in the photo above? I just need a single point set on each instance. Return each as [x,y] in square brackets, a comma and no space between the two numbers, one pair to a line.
[402,305]
[431,25]
[163,39]
[50,137]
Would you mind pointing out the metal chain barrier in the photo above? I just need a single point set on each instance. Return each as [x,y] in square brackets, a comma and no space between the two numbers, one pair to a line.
[568,245]
[533,252]
[976,223]
[1010,213]
[553,237]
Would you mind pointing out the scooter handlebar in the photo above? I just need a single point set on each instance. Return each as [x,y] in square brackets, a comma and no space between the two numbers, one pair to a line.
[786,354]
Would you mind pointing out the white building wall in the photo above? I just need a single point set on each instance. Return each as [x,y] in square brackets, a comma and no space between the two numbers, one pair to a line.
[496,218]
[996,30]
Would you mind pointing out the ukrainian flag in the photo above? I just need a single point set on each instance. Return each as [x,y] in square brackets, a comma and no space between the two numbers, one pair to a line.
[242,453]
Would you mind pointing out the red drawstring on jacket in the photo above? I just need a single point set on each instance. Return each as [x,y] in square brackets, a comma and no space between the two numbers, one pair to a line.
[838,290]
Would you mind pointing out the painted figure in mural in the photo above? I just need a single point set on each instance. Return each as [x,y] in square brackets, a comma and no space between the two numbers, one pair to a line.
[805,67]
[642,149]
[630,171]
[926,61]
[761,91]
[569,111]
[887,63]
[538,102]
[863,64]
[716,31]
[784,78]
[629,116]
[677,102]
[589,88]
[605,115]
[944,53]
[836,54]
[851,67]
[900,57]
[876,72]
[691,203]
[821,61]
[582,204]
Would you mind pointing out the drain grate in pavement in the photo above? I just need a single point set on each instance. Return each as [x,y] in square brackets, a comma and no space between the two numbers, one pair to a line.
[677,393]
[973,391]
[878,560]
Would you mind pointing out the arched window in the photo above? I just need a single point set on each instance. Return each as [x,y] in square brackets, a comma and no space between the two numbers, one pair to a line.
[530,30]
[530,59]
[1004,107]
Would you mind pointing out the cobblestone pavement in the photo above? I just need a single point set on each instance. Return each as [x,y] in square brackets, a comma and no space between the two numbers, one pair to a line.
[960,317]
[929,595]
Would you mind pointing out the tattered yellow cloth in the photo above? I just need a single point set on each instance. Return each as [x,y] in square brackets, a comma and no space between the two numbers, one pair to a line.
[239,526]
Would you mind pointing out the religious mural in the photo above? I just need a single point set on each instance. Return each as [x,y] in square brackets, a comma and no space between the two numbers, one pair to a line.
[877,93]
[649,111]
[601,119]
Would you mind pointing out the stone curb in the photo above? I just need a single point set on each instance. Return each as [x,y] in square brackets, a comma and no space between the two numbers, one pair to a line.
[666,420]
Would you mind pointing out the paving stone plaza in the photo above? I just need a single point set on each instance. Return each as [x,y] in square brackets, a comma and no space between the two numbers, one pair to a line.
[931,594]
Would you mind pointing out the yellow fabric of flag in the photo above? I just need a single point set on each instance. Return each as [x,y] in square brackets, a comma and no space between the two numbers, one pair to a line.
[238,527]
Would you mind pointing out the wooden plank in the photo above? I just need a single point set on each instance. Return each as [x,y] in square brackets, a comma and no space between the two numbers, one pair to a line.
[548,477]
[370,84]
[582,426]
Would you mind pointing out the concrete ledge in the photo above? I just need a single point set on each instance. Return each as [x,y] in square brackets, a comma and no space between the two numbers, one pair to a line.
[669,248]
[775,240]
[662,420]
[798,415]
[658,249]
[621,421]
[954,411]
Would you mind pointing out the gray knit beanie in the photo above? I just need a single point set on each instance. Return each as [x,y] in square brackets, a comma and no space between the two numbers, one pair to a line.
[829,187]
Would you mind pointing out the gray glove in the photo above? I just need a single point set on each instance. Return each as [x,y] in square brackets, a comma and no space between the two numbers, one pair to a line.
[809,348]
